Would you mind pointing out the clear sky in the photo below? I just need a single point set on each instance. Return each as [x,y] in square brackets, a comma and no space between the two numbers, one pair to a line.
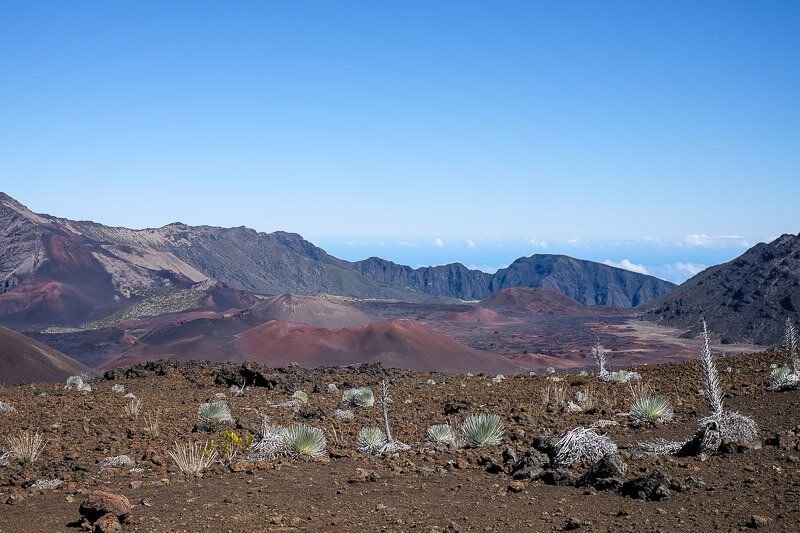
[662,134]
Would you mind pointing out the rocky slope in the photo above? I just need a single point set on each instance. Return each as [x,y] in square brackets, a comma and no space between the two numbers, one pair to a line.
[745,300]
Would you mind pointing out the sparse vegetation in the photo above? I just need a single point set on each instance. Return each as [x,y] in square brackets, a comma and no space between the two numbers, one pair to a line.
[26,447]
[391,444]
[193,459]
[359,397]
[118,388]
[79,383]
[6,407]
[152,425]
[441,434]
[582,445]
[622,376]
[599,356]
[649,408]
[133,408]
[343,414]
[300,396]
[154,305]
[788,377]
[213,414]
[482,430]
[305,440]
[371,440]
[231,445]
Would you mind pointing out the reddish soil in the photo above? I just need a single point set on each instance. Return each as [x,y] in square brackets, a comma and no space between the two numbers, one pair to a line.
[396,343]
[483,317]
[526,300]
[312,310]
[424,489]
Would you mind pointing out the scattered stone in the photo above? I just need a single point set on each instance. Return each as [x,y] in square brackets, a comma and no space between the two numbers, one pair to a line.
[758,522]
[654,487]
[516,486]
[100,503]
[560,477]
[608,473]
[108,523]
[452,527]
[363,475]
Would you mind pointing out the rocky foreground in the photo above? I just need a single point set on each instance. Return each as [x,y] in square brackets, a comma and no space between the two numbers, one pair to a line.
[92,444]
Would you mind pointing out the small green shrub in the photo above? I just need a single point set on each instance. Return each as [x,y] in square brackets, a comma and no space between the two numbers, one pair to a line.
[300,395]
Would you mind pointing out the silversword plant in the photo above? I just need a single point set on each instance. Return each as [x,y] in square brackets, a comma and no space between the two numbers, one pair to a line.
[79,383]
[482,430]
[599,356]
[305,440]
[214,414]
[358,397]
[441,434]
[371,440]
[649,408]
[133,408]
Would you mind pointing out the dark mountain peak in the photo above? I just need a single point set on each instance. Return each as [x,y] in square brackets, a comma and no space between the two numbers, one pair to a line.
[746,299]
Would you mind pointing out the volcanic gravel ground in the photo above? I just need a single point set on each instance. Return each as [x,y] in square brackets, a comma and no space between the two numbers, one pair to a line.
[425,489]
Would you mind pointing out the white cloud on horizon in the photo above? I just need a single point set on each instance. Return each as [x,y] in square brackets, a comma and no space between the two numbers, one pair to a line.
[439,243]
[626,264]
[471,243]
[706,241]
[486,268]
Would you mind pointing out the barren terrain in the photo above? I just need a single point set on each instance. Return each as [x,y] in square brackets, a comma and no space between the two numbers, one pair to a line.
[428,488]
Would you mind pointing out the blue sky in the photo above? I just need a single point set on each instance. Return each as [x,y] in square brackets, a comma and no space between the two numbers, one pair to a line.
[661,134]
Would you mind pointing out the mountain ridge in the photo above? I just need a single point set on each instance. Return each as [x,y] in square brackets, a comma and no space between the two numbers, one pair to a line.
[55,271]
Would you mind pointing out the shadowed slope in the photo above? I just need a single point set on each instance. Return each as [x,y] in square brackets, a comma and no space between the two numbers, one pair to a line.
[24,359]
[745,300]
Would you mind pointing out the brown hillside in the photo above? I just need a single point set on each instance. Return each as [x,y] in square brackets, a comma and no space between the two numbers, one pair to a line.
[23,359]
